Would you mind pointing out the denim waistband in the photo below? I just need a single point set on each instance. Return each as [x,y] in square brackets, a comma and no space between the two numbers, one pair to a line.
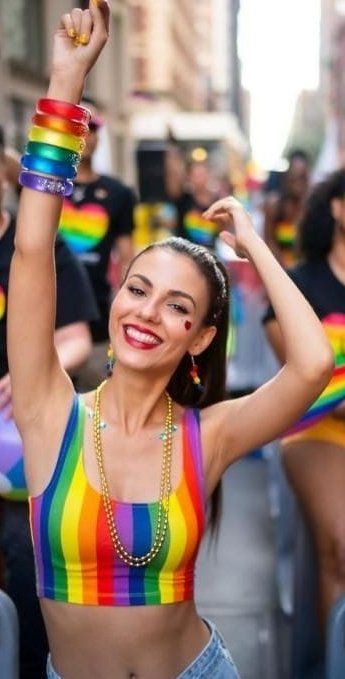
[213,661]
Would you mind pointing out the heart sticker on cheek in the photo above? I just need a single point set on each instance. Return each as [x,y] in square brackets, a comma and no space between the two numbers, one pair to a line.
[188,325]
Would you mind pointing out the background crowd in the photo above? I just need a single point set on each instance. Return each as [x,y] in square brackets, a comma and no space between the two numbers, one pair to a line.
[103,224]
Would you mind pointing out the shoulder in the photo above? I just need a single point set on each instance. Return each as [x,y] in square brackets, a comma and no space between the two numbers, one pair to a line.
[310,273]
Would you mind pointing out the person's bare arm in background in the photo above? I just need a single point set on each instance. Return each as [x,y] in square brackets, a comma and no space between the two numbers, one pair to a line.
[73,344]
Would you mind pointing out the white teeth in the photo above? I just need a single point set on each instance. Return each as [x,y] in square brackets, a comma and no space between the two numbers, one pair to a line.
[141,336]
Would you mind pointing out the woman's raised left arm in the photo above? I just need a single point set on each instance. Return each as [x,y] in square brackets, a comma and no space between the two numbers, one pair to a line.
[248,422]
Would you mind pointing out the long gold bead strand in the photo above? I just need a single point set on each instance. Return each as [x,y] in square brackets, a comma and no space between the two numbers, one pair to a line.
[164,495]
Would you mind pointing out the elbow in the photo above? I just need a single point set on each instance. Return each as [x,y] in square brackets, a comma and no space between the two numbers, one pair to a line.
[320,371]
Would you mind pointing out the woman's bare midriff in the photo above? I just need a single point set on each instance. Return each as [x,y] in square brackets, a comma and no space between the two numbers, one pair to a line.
[134,642]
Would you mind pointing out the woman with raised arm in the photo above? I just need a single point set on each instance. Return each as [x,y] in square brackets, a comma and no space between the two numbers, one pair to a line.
[313,451]
[119,478]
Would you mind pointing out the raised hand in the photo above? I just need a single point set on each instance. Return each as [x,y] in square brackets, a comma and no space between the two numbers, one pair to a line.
[79,39]
[230,214]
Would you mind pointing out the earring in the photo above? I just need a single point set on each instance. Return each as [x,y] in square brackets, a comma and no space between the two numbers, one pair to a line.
[110,361]
[194,375]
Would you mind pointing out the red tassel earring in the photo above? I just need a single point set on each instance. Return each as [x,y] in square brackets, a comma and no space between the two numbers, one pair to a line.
[195,376]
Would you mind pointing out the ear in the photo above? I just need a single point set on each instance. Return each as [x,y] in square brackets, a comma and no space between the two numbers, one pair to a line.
[203,340]
[336,206]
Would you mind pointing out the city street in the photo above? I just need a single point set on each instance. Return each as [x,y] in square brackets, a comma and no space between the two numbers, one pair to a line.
[236,581]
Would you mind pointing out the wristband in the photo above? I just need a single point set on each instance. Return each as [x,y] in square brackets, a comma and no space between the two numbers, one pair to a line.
[38,182]
[63,109]
[52,152]
[66,141]
[60,124]
[50,167]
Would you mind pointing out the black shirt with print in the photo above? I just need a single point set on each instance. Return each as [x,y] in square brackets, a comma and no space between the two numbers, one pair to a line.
[323,290]
[75,300]
[96,214]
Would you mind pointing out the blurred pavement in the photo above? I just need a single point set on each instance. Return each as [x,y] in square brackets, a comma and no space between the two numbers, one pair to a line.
[235,583]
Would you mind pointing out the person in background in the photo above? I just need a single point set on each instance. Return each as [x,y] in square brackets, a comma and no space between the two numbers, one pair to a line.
[76,308]
[200,193]
[115,563]
[283,208]
[95,219]
[313,452]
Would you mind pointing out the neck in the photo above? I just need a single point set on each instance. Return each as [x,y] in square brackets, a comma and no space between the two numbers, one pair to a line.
[85,172]
[336,257]
[133,400]
[203,196]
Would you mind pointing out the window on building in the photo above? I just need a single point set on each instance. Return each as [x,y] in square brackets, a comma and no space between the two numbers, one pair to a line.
[139,71]
[23,33]
[138,18]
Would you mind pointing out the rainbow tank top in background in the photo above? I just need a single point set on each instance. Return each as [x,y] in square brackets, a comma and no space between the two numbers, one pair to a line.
[334,393]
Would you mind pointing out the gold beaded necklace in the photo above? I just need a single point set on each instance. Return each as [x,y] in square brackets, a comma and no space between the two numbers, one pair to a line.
[164,495]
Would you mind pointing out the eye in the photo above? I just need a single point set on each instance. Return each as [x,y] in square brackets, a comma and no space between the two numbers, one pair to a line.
[179,308]
[135,291]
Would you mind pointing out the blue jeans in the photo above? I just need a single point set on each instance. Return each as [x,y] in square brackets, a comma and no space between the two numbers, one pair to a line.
[214,661]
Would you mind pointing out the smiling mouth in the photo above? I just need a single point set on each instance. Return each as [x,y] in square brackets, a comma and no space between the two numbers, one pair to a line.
[141,337]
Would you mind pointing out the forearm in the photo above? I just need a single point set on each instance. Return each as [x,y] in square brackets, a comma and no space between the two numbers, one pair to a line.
[39,213]
[305,343]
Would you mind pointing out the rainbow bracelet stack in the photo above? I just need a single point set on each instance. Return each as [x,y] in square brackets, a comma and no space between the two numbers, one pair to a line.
[56,142]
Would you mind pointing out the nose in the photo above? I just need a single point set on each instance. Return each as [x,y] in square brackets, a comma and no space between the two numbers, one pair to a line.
[149,310]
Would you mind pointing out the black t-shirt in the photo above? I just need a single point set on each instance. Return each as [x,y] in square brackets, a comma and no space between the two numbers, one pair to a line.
[92,218]
[75,300]
[191,223]
[324,292]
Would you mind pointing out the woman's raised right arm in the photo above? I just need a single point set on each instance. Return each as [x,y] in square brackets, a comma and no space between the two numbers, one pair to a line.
[36,375]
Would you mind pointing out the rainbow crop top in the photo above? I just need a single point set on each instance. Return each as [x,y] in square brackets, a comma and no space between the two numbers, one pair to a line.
[75,559]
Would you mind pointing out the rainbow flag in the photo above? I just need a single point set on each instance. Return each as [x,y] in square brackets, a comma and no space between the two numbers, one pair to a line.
[334,393]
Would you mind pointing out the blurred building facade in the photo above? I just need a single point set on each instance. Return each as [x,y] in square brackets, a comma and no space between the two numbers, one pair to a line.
[172,56]
[26,30]
[332,82]
[184,55]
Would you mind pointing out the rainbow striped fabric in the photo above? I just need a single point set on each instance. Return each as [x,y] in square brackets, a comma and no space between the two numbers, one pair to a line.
[198,229]
[334,394]
[285,234]
[75,559]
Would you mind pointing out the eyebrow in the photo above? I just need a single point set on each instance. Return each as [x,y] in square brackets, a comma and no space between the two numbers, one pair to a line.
[171,293]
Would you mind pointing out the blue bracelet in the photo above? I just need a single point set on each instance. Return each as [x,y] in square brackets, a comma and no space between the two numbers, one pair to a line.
[47,166]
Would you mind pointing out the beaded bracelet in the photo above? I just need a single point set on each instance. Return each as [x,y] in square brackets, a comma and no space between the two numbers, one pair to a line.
[39,182]
[60,124]
[65,110]
[52,152]
[66,141]
[47,166]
